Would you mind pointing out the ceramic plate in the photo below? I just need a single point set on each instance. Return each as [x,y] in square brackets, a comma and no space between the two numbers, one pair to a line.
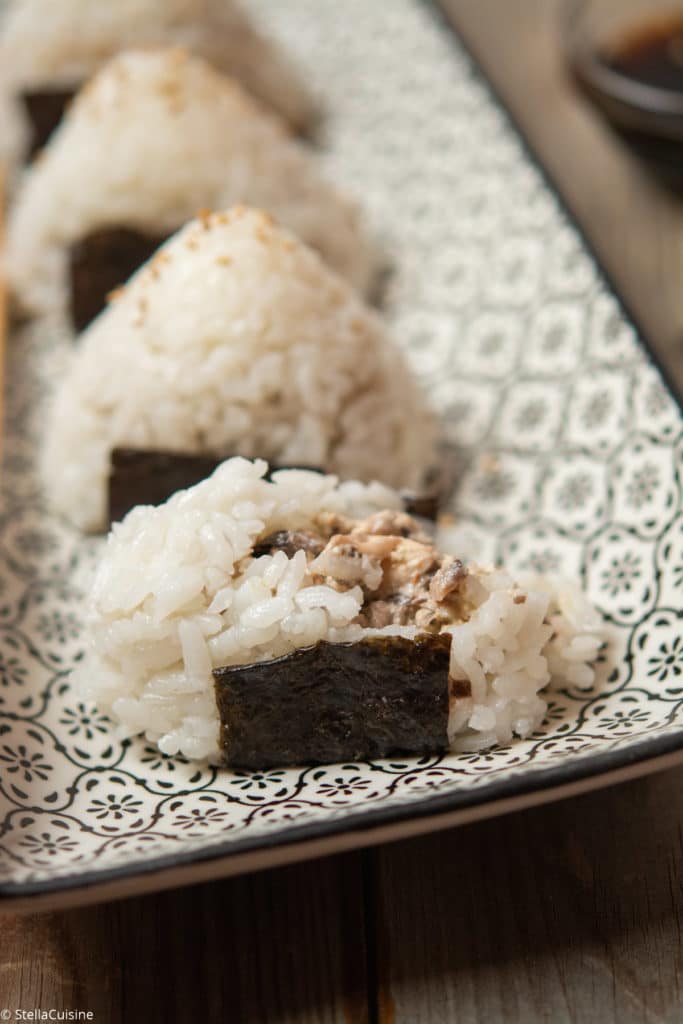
[568,446]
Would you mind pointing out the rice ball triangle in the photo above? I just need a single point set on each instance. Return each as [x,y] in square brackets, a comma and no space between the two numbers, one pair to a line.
[156,136]
[49,47]
[236,338]
[261,622]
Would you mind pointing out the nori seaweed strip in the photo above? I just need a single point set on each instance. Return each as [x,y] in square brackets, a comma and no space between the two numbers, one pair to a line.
[145,476]
[380,696]
[101,262]
[438,485]
[422,505]
[44,110]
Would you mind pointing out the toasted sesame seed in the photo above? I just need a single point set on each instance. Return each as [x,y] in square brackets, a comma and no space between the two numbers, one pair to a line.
[489,463]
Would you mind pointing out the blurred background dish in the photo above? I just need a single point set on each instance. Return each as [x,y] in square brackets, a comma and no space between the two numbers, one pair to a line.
[628,56]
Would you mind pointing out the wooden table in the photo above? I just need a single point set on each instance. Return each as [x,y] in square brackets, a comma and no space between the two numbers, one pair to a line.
[570,912]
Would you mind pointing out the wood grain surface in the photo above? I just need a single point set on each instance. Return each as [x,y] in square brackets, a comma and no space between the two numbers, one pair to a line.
[286,945]
[4,312]
[567,913]
[570,912]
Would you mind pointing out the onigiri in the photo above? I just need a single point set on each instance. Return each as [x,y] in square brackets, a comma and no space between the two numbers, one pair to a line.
[248,621]
[49,48]
[236,338]
[186,138]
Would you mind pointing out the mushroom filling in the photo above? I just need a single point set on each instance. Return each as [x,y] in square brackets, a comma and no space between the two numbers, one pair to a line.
[404,579]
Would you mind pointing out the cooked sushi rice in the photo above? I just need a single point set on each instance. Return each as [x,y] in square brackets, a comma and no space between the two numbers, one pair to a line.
[59,44]
[186,138]
[181,590]
[235,338]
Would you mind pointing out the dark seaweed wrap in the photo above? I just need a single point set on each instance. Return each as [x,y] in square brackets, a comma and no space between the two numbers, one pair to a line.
[100,263]
[381,696]
[149,476]
[146,476]
[44,109]
[424,505]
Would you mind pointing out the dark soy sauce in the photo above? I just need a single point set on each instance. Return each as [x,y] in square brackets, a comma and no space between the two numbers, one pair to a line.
[652,55]
[650,119]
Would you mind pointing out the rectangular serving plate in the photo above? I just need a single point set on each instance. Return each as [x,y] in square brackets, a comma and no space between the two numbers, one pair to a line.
[568,446]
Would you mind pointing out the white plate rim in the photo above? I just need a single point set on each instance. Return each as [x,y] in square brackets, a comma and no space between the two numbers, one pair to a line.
[360,829]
